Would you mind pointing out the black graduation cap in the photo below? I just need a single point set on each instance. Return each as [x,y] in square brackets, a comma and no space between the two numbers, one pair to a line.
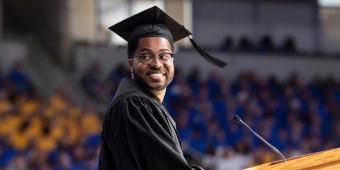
[155,22]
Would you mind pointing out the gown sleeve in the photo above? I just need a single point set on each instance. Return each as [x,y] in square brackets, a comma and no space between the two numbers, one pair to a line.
[138,136]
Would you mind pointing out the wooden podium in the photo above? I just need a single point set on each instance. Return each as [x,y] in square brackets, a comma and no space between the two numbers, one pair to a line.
[324,160]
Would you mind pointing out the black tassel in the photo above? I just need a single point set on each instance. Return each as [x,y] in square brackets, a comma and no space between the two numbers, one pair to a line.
[205,55]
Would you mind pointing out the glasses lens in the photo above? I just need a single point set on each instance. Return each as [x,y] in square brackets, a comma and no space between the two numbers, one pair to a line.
[146,58]
[165,57]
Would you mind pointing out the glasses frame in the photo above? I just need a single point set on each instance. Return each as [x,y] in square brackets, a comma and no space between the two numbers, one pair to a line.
[143,61]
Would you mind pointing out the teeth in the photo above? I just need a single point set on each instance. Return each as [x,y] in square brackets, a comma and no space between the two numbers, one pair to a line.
[156,75]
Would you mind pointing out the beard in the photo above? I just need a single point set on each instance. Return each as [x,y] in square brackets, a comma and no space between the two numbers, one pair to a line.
[151,84]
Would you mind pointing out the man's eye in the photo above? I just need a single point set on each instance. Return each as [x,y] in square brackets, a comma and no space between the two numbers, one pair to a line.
[145,56]
[165,56]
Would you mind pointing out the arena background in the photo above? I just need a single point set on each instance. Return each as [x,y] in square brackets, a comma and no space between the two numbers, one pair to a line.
[60,66]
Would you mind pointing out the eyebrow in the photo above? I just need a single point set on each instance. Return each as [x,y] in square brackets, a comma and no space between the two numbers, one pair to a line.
[165,50]
[149,50]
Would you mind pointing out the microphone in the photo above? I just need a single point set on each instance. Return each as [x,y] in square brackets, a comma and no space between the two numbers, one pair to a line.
[239,120]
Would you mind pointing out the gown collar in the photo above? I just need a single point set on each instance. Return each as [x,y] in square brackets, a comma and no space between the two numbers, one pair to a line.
[128,85]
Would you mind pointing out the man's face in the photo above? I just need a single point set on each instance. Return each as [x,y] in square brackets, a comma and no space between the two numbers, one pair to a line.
[155,74]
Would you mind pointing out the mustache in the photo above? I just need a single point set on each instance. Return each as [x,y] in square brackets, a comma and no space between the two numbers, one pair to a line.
[156,70]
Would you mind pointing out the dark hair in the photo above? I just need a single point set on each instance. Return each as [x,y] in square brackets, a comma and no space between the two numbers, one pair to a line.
[133,44]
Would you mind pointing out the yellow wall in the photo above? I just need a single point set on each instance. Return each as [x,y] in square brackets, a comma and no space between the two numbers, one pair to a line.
[82,20]
[181,11]
[330,32]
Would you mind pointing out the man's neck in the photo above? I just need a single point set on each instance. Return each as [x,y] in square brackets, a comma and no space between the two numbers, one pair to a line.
[159,94]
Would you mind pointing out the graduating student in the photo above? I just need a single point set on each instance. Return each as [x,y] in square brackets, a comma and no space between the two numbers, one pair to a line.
[138,132]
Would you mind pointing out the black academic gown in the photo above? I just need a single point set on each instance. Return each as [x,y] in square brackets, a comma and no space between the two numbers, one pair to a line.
[139,134]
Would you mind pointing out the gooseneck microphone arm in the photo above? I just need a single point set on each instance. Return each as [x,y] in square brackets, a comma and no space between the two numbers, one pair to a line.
[239,120]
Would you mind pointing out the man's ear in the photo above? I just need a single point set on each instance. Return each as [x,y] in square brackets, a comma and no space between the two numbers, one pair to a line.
[131,71]
[130,62]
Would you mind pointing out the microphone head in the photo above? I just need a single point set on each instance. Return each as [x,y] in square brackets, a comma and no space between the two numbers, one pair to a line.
[237,118]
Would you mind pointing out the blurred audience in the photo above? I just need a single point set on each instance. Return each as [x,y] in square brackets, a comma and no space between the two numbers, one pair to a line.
[41,134]
[92,83]
[55,134]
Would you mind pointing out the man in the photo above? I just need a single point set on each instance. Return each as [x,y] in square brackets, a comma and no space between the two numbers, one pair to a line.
[138,132]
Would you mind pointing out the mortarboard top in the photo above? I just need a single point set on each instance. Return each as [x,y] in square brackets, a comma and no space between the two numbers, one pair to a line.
[150,16]
[155,22]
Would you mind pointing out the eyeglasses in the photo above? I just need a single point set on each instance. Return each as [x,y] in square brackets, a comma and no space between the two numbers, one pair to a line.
[146,58]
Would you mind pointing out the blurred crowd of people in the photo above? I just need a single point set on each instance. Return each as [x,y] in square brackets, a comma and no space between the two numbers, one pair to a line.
[296,117]
[55,134]
[44,133]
